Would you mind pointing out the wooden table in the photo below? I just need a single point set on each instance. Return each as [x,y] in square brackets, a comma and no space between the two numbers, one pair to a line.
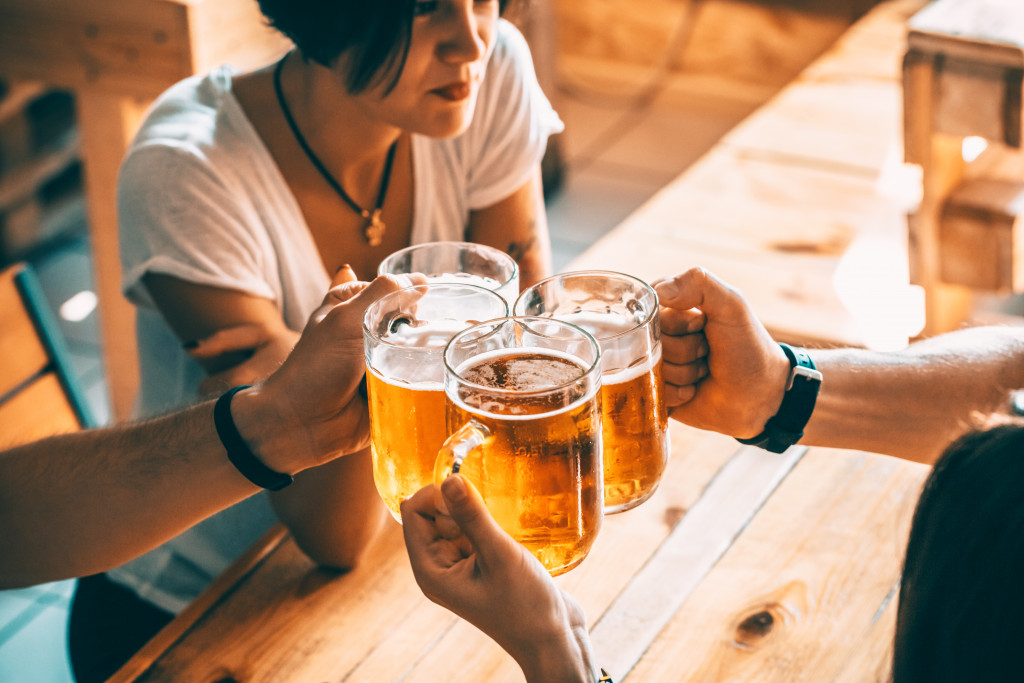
[117,57]
[744,565]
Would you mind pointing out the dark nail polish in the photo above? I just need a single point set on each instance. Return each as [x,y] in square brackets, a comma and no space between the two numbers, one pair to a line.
[189,345]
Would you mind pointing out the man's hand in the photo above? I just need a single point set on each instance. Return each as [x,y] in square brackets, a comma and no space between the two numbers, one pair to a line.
[311,401]
[722,370]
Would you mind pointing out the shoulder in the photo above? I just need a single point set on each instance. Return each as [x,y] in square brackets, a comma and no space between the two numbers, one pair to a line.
[511,54]
[198,113]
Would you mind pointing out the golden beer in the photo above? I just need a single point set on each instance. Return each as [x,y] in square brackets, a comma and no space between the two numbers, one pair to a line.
[406,430]
[621,312]
[405,333]
[539,467]
[636,445]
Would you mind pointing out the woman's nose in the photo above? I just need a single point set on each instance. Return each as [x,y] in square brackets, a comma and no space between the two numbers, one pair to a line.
[463,41]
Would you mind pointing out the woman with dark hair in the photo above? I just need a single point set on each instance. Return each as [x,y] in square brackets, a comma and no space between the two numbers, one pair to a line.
[961,596]
[391,122]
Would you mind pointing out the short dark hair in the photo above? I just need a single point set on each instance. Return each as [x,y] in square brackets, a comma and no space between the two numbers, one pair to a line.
[376,33]
[962,597]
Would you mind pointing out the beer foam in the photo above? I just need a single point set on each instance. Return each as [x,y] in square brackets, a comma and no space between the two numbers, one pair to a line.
[410,373]
[463,279]
[629,363]
[535,377]
[600,325]
[425,334]
[646,364]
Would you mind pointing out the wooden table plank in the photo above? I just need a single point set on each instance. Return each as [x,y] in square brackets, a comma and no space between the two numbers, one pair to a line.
[872,660]
[652,598]
[793,597]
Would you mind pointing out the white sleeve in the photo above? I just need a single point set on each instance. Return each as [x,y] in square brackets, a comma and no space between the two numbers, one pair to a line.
[175,217]
[512,123]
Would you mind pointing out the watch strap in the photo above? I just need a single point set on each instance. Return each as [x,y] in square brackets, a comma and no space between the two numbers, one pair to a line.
[244,460]
[786,427]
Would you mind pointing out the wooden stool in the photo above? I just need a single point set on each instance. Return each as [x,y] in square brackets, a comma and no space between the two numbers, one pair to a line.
[962,77]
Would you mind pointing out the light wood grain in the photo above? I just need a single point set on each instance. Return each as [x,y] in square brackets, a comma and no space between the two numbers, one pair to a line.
[802,584]
[872,658]
[649,602]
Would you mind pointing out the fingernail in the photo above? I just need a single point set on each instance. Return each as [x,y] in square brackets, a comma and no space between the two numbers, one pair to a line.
[454,488]
[189,345]
[667,289]
[346,273]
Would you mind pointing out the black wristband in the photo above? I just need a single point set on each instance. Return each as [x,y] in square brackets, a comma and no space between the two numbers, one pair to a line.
[786,427]
[238,451]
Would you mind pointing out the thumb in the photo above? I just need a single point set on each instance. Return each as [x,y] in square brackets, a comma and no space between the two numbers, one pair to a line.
[698,288]
[466,507]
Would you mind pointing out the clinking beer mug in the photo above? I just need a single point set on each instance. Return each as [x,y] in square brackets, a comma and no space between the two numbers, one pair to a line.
[404,335]
[621,312]
[522,400]
[458,262]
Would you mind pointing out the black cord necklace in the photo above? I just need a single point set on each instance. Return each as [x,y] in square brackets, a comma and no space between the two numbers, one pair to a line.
[373,231]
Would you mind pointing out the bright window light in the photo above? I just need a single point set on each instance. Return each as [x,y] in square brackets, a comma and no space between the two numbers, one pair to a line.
[78,307]
[872,282]
[972,147]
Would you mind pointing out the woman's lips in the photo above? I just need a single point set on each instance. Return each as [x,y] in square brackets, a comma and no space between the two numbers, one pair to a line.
[453,92]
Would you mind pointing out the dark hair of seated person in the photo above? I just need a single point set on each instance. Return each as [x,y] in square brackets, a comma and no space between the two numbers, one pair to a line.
[376,32]
[962,594]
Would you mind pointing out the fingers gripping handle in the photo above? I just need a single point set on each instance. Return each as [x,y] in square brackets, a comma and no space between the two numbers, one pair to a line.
[459,446]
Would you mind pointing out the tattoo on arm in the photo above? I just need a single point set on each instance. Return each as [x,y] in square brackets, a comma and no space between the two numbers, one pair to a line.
[519,250]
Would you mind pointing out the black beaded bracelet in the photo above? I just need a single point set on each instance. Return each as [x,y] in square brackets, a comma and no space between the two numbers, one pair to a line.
[238,451]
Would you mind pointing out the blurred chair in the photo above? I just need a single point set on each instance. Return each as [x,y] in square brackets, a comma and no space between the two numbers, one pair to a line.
[39,396]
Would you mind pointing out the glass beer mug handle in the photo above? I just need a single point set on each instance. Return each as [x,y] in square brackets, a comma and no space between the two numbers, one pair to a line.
[456,449]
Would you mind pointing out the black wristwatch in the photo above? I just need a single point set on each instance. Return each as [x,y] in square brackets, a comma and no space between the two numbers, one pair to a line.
[786,427]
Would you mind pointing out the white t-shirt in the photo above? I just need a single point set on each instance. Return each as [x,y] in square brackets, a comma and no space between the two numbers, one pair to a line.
[200,198]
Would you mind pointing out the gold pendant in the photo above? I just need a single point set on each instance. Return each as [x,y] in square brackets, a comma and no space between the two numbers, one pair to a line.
[374,230]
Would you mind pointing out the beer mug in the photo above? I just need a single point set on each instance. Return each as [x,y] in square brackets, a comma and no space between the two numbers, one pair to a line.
[523,410]
[458,262]
[404,335]
[622,314]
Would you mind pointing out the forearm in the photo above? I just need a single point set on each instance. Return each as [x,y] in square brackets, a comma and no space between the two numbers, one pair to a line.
[912,403]
[563,660]
[334,511]
[81,503]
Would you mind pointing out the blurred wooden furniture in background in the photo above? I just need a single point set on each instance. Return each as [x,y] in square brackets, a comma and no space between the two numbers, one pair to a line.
[117,57]
[962,78]
[803,205]
[39,396]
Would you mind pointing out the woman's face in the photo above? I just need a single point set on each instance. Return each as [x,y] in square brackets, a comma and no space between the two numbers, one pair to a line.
[448,51]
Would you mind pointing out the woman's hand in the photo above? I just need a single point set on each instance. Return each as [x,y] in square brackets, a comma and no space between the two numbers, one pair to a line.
[465,562]
[258,350]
